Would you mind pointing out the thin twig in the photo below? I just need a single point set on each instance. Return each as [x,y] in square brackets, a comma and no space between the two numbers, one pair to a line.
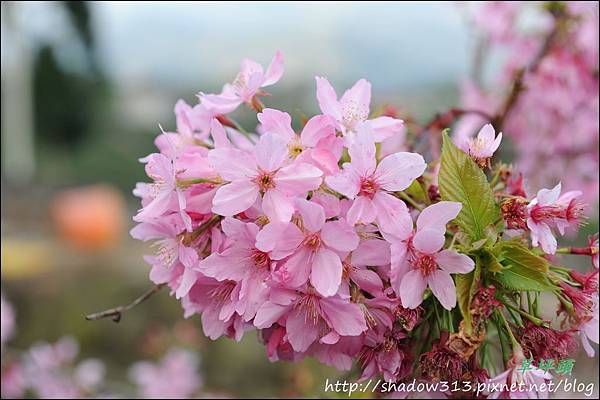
[117,312]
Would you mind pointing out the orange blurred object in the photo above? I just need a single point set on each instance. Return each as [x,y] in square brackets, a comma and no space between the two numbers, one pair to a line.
[89,218]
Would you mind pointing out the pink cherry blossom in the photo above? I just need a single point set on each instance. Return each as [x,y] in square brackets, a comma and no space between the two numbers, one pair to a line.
[586,304]
[193,127]
[248,83]
[312,250]
[369,253]
[241,262]
[174,261]
[551,210]
[317,144]
[263,172]
[304,237]
[419,262]
[352,110]
[369,184]
[216,302]
[309,317]
[482,147]
[515,383]
[164,192]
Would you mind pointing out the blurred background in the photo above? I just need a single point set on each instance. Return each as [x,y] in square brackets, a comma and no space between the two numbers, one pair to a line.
[84,87]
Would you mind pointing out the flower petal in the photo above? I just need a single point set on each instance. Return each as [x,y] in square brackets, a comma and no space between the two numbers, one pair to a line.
[344,317]
[298,179]
[234,198]
[232,164]
[277,123]
[372,253]
[274,70]
[443,288]
[301,332]
[327,99]
[411,290]
[397,171]
[362,211]
[454,263]
[326,274]
[438,215]
[345,183]
[317,128]
[271,151]
[268,314]
[277,206]
[429,241]
[339,236]
[313,214]
[385,127]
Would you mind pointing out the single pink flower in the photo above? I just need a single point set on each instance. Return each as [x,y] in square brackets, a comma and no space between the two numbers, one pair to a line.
[164,192]
[352,110]
[369,185]
[418,260]
[483,147]
[248,83]
[369,253]
[174,262]
[551,210]
[262,172]
[317,144]
[309,317]
[216,302]
[241,262]
[516,383]
[383,352]
[586,305]
[193,124]
[312,251]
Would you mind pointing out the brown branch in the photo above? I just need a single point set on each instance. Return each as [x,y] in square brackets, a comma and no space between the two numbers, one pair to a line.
[442,120]
[518,85]
[117,312]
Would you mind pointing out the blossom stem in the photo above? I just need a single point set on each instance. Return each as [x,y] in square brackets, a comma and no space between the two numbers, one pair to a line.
[117,312]
[515,317]
[583,251]
[503,344]
[409,200]
[190,237]
[193,181]
[565,303]
[241,129]
[515,344]
[530,317]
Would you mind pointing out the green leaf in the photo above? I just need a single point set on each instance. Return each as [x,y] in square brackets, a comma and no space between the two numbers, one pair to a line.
[518,278]
[466,286]
[491,263]
[461,180]
[516,253]
[523,269]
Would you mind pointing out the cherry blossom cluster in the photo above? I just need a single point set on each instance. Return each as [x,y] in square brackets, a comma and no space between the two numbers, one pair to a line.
[553,65]
[329,237]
